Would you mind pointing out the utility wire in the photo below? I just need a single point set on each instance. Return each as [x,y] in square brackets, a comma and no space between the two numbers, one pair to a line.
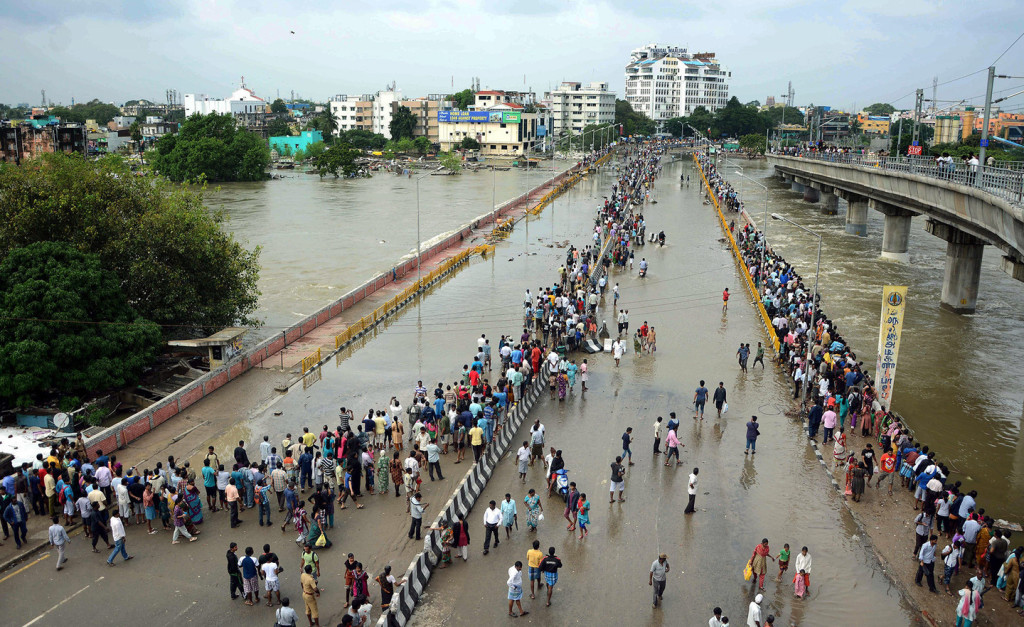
[1008,48]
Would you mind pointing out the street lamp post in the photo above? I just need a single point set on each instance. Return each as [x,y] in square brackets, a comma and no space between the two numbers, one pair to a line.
[418,274]
[814,308]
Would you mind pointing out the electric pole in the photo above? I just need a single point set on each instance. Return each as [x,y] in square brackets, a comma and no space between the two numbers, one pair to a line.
[984,124]
[919,101]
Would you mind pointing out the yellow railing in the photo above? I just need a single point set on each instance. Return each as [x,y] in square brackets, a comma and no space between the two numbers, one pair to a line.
[311,360]
[773,338]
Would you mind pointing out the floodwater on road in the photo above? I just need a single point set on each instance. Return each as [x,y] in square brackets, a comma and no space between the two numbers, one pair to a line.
[320,238]
[953,383]
[781,493]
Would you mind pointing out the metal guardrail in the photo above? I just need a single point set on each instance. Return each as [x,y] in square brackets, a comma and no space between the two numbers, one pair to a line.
[1004,180]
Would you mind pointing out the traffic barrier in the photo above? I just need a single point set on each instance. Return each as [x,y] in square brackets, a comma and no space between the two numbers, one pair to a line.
[773,338]
[310,361]
[408,594]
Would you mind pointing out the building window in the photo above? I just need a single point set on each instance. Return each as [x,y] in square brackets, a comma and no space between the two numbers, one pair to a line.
[504,147]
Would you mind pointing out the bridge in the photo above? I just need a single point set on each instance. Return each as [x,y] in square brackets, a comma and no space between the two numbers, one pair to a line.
[966,207]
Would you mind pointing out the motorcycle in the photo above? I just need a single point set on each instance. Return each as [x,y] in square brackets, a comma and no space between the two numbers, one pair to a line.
[562,483]
[643,272]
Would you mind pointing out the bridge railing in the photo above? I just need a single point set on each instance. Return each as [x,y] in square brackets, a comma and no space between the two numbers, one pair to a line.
[1005,179]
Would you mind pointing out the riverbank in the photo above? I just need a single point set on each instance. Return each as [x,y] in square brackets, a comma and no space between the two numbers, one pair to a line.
[890,531]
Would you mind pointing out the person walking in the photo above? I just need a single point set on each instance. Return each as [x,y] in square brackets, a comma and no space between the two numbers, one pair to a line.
[492,518]
[759,356]
[583,515]
[657,436]
[691,489]
[758,562]
[59,539]
[15,515]
[802,564]
[926,563]
[754,612]
[616,483]
[515,589]
[658,577]
[700,397]
[460,537]
[752,433]
[509,515]
[533,560]
[549,567]
[719,398]
[118,535]
[310,593]
[627,439]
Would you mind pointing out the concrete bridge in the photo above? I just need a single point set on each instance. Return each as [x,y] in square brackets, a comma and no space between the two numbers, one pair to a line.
[967,209]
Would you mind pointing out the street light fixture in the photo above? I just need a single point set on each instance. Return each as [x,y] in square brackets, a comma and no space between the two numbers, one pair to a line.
[814,306]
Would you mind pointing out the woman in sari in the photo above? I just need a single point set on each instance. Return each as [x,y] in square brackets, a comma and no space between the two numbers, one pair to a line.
[839,452]
[981,551]
[857,481]
[571,370]
[850,466]
[383,471]
[301,521]
[759,563]
[447,541]
[563,385]
[395,468]
[317,524]
[533,509]
[193,503]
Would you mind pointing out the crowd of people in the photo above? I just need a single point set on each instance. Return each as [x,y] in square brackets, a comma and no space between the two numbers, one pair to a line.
[842,402]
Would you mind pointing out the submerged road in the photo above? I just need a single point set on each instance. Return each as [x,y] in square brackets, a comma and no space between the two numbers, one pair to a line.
[782,494]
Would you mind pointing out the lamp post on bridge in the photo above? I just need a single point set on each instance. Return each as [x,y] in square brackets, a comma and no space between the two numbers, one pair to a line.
[418,273]
[814,310]
[764,233]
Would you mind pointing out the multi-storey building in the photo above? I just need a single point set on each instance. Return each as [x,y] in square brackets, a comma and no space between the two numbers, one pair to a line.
[425,110]
[665,82]
[352,112]
[496,121]
[27,140]
[574,106]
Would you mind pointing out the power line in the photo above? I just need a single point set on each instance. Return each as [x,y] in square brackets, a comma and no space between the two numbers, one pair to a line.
[1008,48]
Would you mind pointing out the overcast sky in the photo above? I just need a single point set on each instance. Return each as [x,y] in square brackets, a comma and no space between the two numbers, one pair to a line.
[841,53]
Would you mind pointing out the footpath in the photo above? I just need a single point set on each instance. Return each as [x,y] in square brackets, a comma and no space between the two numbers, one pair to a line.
[886,522]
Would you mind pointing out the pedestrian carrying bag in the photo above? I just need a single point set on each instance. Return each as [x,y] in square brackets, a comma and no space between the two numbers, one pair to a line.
[725,408]
[748,572]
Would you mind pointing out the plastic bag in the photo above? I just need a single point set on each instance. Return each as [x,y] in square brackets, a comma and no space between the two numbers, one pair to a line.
[725,408]
[748,572]
[321,541]
[540,517]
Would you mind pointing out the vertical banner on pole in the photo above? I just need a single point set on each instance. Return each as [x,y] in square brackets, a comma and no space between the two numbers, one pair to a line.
[894,305]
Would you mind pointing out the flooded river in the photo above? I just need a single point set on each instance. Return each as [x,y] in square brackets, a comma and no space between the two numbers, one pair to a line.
[951,383]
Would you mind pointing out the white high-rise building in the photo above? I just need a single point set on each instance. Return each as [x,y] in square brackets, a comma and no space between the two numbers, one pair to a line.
[382,110]
[666,82]
[574,106]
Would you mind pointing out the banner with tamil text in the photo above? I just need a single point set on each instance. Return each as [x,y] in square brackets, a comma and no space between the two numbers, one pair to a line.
[894,306]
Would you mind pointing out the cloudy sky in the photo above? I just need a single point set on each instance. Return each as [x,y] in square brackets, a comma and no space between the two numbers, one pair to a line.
[843,53]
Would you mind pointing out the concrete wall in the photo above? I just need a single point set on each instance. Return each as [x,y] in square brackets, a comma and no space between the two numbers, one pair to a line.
[142,422]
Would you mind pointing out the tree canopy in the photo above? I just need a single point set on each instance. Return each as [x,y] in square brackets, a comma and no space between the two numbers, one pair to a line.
[279,128]
[363,139]
[339,158]
[450,160]
[403,123]
[102,112]
[753,142]
[633,122]
[212,147]
[469,143]
[65,325]
[880,108]
[174,260]
[278,106]
[463,99]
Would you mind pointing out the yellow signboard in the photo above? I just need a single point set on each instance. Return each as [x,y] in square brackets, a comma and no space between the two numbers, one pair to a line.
[894,306]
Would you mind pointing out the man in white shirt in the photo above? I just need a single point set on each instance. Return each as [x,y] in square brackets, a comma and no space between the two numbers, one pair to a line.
[492,518]
[269,573]
[117,531]
[657,436]
[803,563]
[951,556]
[716,620]
[522,460]
[754,612]
[691,489]
[970,530]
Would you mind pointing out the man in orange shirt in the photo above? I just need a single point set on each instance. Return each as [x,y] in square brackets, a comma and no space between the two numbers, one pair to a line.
[886,470]
[231,493]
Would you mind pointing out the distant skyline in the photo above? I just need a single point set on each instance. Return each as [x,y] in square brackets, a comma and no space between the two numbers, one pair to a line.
[844,54]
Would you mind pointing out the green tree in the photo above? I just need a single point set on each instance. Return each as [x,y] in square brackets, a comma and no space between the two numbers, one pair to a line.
[315,149]
[450,160]
[463,99]
[403,123]
[325,122]
[299,155]
[702,120]
[423,145]
[65,326]
[102,112]
[754,103]
[792,116]
[175,261]
[213,148]
[279,128]
[278,106]
[136,131]
[340,157]
[753,143]
[880,108]
[363,139]
[676,126]
[633,122]
[735,120]
[469,143]
[406,145]
[925,135]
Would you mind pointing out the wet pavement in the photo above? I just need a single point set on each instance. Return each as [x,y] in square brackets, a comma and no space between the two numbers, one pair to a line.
[781,494]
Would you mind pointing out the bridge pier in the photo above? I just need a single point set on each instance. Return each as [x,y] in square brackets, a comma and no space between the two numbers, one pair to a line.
[831,205]
[796,186]
[896,232]
[856,214]
[1012,266]
[963,267]
[811,195]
